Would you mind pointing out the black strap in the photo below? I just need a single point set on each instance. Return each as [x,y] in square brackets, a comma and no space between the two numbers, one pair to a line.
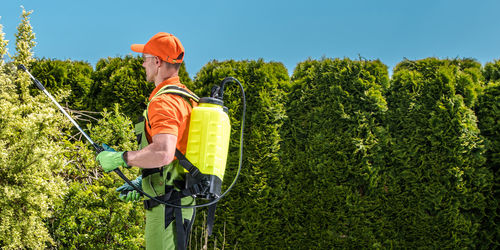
[185,163]
[211,218]
[149,204]
[149,171]
[179,225]
[171,196]
[200,184]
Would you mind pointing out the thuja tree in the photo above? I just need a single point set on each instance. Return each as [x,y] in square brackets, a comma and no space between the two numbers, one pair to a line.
[123,81]
[250,214]
[332,157]
[488,113]
[468,75]
[68,76]
[435,180]
[491,71]
[30,157]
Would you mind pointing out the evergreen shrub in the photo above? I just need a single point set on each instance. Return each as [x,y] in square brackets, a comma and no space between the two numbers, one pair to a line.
[339,156]
[69,76]
[122,81]
[435,180]
[90,215]
[30,151]
[250,215]
[332,155]
[468,73]
[491,71]
[488,114]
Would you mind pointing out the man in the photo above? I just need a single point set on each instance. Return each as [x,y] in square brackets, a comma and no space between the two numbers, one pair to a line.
[165,128]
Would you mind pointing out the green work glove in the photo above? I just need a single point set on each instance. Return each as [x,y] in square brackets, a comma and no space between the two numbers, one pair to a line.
[110,159]
[128,193]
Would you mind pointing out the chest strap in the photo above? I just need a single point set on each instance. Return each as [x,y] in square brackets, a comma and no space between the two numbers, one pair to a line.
[149,171]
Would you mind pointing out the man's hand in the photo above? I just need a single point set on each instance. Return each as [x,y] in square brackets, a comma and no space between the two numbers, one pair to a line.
[128,193]
[110,159]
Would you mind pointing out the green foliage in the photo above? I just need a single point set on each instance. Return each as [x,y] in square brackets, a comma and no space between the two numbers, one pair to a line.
[25,40]
[488,113]
[467,72]
[114,129]
[491,71]
[251,212]
[58,75]
[122,81]
[30,129]
[24,51]
[332,156]
[90,215]
[434,178]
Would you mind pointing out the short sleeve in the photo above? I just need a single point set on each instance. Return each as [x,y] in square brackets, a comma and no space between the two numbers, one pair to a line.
[166,113]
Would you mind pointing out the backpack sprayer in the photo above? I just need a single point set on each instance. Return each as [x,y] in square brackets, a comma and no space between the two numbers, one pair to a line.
[207,148]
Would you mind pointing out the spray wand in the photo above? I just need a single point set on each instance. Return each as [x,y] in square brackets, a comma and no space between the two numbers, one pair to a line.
[97,148]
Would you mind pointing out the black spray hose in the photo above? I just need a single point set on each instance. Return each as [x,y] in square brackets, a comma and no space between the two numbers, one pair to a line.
[99,149]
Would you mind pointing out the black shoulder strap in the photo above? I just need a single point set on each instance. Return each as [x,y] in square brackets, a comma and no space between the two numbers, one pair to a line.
[185,163]
[175,90]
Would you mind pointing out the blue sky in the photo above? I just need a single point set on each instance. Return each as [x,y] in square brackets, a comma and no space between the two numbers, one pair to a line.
[282,31]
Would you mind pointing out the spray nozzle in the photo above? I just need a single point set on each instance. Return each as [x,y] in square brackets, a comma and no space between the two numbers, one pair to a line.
[37,83]
[21,67]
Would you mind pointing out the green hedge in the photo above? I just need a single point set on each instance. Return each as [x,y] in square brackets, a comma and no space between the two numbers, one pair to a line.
[122,81]
[491,71]
[332,156]
[250,216]
[435,180]
[339,156]
[488,113]
[467,72]
[57,75]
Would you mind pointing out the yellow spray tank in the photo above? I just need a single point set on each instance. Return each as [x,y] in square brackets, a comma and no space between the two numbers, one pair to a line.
[208,145]
[208,142]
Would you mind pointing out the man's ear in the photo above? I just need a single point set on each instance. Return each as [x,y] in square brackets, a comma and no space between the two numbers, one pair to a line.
[158,61]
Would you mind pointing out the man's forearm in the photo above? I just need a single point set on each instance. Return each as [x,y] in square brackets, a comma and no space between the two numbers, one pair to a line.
[159,153]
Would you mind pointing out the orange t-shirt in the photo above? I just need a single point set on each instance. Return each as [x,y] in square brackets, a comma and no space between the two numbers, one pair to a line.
[169,114]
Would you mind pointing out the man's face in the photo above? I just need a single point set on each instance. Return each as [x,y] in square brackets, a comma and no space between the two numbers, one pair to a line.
[149,64]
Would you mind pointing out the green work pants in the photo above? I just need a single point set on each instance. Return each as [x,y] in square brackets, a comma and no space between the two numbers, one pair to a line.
[157,235]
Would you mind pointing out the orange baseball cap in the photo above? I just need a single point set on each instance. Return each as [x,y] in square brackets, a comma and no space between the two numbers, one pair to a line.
[164,45]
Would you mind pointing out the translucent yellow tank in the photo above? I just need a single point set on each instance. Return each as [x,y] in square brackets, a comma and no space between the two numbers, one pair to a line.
[208,141]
